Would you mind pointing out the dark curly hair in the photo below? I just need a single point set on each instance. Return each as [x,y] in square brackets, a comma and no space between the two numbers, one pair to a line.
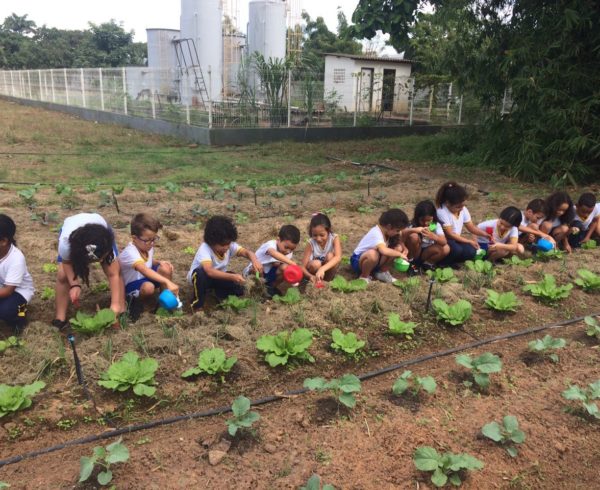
[7,228]
[394,217]
[555,201]
[90,243]
[289,232]
[423,209]
[220,230]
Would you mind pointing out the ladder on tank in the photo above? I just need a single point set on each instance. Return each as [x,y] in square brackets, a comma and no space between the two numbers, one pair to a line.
[185,50]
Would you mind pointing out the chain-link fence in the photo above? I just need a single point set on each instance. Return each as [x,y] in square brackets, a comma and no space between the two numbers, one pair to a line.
[289,98]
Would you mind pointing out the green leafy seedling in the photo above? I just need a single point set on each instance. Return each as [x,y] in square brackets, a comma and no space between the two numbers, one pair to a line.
[341,284]
[403,384]
[546,345]
[553,254]
[314,483]
[587,280]
[547,291]
[172,187]
[344,388]
[506,434]
[189,250]
[283,347]
[164,313]
[243,418]
[131,372]
[502,301]
[589,245]
[291,297]
[408,285]
[593,327]
[48,293]
[442,275]
[235,303]
[49,268]
[15,398]
[92,324]
[455,314]
[213,362]
[11,341]
[586,397]
[446,467]
[481,367]
[481,267]
[103,457]
[398,327]
[515,260]
[347,343]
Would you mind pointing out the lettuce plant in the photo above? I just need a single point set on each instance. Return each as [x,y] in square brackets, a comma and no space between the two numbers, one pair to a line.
[314,483]
[553,254]
[49,268]
[398,327]
[589,245]
[15,398]
[213,362]
[344,388]
[131,372]
[243,418]
[11,341]
[481,367]
[455,314]
[347,343]
[235,303]
[91,324]
[408,284]
[586,397]
[48,293]
[340,284]
[547,291]
[284,346]
[114,453]
[481,267]
[291,297]
[515,260]
[502,301]
[593,328]
[546,345]
[445,467]
[506,434]
[442,275]
[587,280]
[403,383]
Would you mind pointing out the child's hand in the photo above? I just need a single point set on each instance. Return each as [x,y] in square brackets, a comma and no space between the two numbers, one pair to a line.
[531,238]
[74,294]
[174,288]
[420,229]
[493,247]
[238,278]
[428,233]
[258,267]
[320,274]
[475,244]
[568,248]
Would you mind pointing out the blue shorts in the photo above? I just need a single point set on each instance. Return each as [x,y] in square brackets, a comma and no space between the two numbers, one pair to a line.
[355,263]
[133,286]
[271,276]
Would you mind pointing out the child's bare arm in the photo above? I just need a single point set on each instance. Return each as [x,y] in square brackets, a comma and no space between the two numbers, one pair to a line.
[280,257]
[225,276]
[474,230]
[337,256]
[147,272]
[537,232]
[512,246]
[450,235]
[6,291]
[306,260]
[251,256]
[391,252]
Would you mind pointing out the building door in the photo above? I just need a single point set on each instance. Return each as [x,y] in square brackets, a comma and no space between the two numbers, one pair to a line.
[366,89]
[389,84]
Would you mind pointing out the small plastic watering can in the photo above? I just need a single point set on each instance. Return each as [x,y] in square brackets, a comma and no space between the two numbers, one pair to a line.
[169,301]
[293,274]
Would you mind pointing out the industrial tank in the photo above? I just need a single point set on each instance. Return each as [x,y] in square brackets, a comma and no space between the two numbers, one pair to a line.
[233,46]
[201,21]
[161,50]
[267,28]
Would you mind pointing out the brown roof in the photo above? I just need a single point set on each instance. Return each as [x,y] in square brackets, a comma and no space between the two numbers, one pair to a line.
[370,58]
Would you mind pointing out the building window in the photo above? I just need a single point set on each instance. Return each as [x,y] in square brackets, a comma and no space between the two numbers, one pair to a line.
[339,75]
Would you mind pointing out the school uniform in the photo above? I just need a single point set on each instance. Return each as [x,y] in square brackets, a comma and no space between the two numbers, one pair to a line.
[269,263]
[13,272]
[373,240]
[583,225]
[508,236]
[129,257]
[459,252]
[320,253]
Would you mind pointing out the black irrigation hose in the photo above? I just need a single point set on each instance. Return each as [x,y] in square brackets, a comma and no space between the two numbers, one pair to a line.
[269,399]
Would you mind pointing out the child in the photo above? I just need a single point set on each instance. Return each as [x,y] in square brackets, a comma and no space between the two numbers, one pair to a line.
[530,223]
[276,255]
[323,253]
[559,214]
[452,213]
[209,268]
[85,238]
[16,285]
[377,249]
[141,273]
[586,224]
[425,247]
[502,234]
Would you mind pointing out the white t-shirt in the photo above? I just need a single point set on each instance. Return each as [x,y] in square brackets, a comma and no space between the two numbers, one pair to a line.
[526,222]
[13,272]
[588,221]
[317,251]
[70,225]
[206,254]
[128,258]
[513,232]
[428,242]
[371,240]
[447,218]
[265,258]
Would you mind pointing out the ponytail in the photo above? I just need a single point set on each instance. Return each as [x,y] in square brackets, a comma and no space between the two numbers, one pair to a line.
[451,193]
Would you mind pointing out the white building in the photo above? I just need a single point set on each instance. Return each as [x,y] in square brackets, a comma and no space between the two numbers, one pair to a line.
[368,84]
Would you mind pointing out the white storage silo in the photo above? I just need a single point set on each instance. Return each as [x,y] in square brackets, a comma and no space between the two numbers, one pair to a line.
[201,21]
[233,46]
[161,49]
[267,28]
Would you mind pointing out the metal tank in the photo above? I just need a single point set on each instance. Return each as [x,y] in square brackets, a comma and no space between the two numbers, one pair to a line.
[201,20]
[267,28]
[161,51]
[233,47]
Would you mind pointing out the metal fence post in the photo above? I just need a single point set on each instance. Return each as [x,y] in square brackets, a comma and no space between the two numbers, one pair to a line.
[355,101]
[66,85]
[101,88]
[12,83]
[29,85]
[152,101]
[124,90]
[210,107]
[52,85]
[460,109]
[289,99]
[40,82]
[82,87]
[412,102]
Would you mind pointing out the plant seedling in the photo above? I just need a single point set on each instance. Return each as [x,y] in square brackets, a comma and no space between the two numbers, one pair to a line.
[515,260]
[545,345]
[314,483]
[50,268]
[92,324]
[284,346]
[547,291]
[235,303]
[243,418]
[402,384]
[398,327]
[593,328]
[291,297]
[481,367]
[213,362]
[442,275]
[344,388]
[341,284]
[114,453]
[553,254]
[48,293]
[408,285]
[445,467]
[481,267]
[189,250]
[502,301]
[11,341]
[131,372]
[172,187]
[455,314]
[589,245]
[587,280]
[507,435]
[586,397]
[347,343]
[15,398]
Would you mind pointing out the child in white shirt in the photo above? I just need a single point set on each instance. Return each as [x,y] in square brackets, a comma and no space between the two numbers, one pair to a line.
[586,224]
[426,247]
[323,252]
[502,234]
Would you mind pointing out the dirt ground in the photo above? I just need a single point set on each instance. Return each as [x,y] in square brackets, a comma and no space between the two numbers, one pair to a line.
[366,448]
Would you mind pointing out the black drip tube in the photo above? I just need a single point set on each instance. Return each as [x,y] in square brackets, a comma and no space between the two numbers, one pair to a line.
[269,399]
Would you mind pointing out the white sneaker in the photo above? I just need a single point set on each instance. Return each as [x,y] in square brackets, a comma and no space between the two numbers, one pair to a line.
[366,279]
[384,277]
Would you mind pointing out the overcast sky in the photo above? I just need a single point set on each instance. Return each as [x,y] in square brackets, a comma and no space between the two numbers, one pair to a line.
[138,15]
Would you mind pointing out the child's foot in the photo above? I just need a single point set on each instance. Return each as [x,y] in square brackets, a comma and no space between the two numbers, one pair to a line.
[366,279]
[63,326]
[384,276]
[426,266]
[413,270]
